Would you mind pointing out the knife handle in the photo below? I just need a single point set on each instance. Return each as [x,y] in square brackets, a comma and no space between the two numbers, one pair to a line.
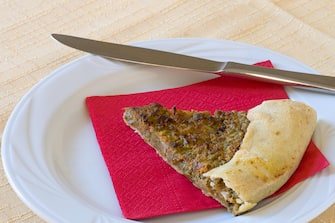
[318,82]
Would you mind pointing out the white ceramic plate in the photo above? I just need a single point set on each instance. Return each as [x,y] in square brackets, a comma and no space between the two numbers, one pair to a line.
[53,162]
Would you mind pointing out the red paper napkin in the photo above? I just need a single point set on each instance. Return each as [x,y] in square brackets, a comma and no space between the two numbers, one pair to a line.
[145,185]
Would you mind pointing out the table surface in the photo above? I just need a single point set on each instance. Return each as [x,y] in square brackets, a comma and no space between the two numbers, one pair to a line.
[301,29]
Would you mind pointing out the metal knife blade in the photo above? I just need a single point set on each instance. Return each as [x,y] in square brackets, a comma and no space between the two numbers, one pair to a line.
[167,59]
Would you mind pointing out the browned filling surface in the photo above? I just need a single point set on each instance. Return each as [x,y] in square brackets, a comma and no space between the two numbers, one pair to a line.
[193,142]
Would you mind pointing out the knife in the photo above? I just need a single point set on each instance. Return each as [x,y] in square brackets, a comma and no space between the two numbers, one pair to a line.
[147,56]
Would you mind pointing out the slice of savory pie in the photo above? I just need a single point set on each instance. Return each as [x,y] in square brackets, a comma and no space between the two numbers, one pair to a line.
[237,158]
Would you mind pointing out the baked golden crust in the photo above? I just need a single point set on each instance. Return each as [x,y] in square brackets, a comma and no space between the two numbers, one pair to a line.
[276,139]
[234,157]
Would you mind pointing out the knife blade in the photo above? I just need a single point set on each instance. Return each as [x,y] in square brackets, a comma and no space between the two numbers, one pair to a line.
[154,57]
